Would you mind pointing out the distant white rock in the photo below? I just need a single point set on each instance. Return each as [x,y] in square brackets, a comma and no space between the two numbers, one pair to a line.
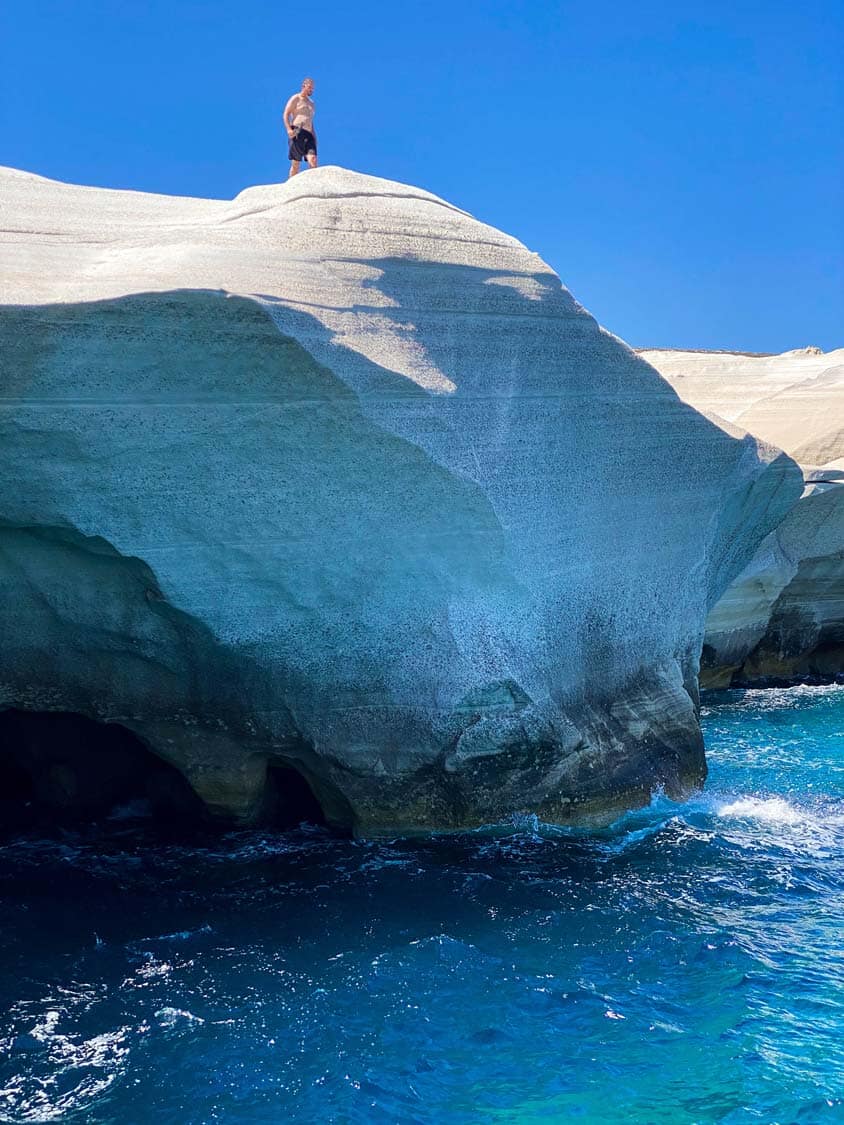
[794,400]
[336,477]
[782,619]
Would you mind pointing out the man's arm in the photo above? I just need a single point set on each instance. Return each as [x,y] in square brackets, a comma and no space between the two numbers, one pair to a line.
[288,109]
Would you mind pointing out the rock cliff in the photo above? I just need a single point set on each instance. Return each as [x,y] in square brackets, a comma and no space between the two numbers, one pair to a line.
[335,477]
[782,619]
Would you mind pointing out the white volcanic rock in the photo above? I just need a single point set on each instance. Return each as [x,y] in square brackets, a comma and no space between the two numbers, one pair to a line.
[782,619]
[794,400]
[336,476]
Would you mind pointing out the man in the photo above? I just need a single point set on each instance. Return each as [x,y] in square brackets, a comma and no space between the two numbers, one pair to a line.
[299,123]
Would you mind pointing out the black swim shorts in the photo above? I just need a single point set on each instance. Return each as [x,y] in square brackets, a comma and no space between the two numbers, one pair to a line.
[301,143]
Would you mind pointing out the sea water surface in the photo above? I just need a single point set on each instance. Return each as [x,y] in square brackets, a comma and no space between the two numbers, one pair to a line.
[685,966]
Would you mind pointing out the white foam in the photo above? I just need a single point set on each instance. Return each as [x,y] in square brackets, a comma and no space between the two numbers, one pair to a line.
[772,810]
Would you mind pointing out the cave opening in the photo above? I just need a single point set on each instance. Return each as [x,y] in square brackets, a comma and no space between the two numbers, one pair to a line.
[60,768]
[826,661]
[290,800]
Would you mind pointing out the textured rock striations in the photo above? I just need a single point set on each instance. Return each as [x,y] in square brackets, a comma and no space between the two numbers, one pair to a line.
[334,476]
[782,619]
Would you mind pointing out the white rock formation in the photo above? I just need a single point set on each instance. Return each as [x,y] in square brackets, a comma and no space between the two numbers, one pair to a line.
[334,475]
[782,619]
[794,400]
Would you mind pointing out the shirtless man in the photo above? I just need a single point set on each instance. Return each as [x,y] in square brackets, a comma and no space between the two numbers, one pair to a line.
[299,123]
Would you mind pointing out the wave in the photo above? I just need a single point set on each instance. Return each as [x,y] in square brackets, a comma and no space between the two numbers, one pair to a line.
[771,810]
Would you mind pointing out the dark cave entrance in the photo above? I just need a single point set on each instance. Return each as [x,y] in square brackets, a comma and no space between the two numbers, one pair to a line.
[290,800]
[61,768]
[826,661]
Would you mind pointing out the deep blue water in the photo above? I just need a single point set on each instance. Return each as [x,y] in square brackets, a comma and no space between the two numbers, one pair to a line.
[684,967]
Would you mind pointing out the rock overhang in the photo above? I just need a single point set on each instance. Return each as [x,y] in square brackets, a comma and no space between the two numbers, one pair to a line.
[398,466]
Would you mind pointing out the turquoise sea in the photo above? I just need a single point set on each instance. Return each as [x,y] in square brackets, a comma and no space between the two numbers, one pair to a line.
[685,966]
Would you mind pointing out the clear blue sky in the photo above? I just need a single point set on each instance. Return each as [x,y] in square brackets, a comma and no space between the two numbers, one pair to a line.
[681,165]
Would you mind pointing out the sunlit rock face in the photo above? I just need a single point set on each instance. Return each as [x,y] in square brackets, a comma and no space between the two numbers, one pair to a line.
[782,619]
[337,478]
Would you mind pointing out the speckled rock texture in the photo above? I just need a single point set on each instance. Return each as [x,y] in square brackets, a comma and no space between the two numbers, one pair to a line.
[335,476]
[782,619]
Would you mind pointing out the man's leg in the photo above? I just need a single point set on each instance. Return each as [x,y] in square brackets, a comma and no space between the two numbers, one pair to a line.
[311,159]
[294,167]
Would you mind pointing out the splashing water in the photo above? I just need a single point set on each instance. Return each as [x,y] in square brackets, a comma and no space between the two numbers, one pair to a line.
[684,966]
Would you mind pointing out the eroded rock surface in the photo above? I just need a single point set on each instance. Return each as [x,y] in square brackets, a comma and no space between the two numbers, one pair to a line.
[782,619]
[334,476]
